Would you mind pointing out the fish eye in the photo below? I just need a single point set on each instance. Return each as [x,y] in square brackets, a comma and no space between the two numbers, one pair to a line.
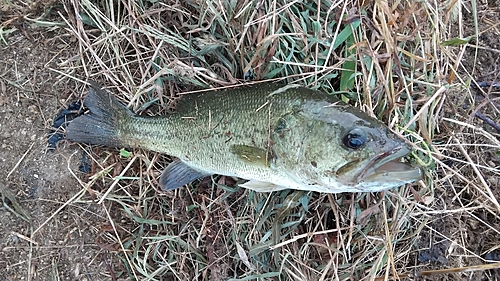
[355,138]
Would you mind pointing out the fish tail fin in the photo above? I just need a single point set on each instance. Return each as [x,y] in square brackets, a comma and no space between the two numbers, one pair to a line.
[100,125]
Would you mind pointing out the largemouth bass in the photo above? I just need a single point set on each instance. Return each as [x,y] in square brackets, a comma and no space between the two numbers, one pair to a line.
[275,136]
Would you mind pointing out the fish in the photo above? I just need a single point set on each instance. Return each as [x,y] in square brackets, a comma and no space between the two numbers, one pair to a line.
[272,135]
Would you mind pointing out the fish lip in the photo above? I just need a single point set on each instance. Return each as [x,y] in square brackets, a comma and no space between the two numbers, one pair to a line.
[393,155]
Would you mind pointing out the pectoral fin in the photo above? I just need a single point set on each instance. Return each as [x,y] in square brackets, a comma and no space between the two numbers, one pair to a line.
[261,186]
[252,154]
[178,174]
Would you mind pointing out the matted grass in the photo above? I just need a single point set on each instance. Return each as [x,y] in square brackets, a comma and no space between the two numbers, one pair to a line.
[400,61]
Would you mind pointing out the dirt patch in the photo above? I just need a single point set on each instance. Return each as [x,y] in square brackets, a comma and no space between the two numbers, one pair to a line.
[31,95]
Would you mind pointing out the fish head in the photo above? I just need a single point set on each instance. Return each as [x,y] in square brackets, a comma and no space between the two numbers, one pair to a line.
[372,158]
[339,148]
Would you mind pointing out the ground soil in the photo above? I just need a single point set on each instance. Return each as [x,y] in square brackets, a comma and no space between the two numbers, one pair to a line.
[40,179]
[64,244]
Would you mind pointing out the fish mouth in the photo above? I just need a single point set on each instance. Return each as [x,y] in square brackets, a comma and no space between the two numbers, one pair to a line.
[387,168]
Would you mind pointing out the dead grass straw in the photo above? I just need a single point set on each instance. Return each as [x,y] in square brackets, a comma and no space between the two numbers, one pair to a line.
[386,57]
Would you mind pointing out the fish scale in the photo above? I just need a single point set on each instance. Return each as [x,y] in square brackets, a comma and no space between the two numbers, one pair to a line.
[203,122]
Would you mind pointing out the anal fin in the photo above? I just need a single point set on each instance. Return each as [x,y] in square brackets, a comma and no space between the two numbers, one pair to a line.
[177,174]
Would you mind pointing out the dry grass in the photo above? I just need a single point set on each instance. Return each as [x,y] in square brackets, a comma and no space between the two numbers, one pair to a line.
[397,60]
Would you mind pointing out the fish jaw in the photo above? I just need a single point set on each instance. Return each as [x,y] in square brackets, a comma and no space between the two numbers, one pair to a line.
[386,170]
